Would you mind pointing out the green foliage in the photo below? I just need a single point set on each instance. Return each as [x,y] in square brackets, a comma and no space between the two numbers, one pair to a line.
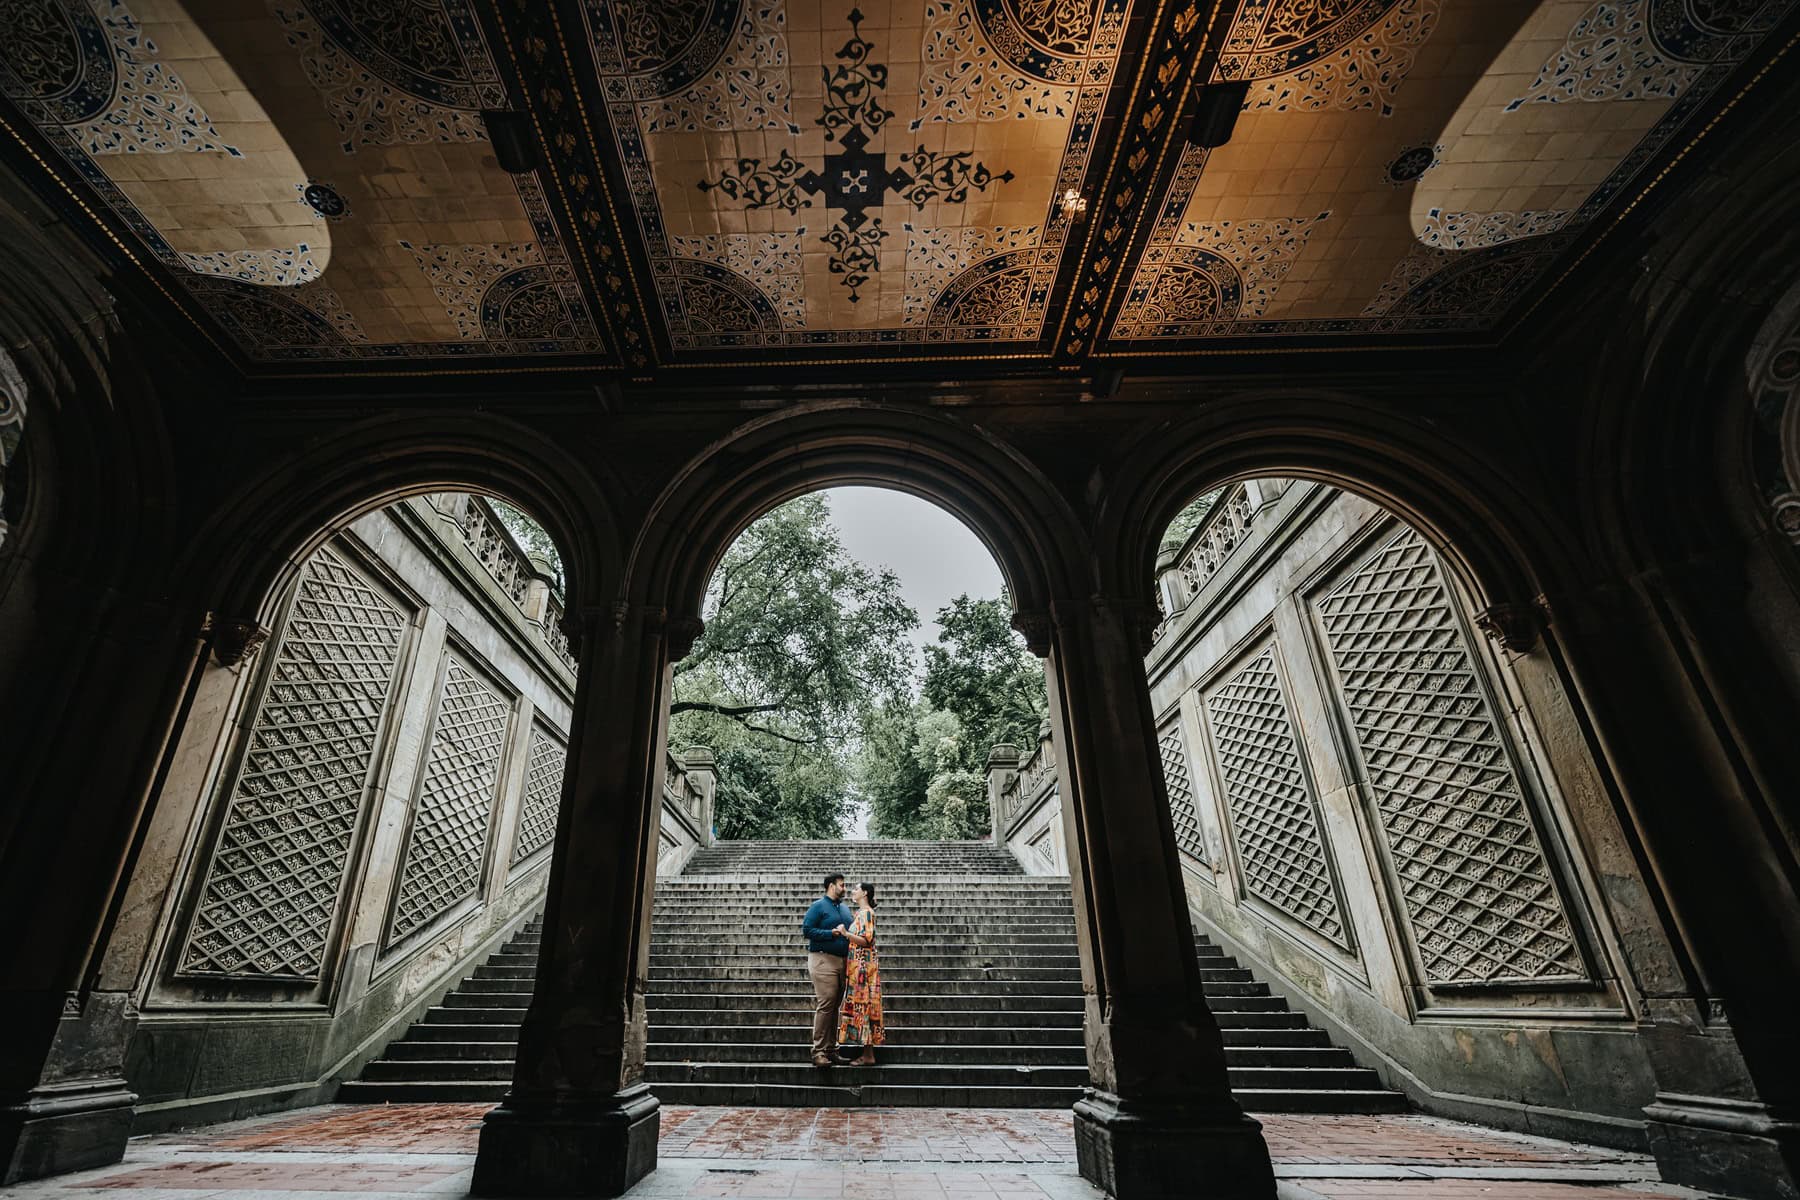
[981,671]
[1187,520]
[803,647]
[889,776]
[928,779]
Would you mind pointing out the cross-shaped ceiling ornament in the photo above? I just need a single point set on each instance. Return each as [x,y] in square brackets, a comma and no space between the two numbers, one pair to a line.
[855,178]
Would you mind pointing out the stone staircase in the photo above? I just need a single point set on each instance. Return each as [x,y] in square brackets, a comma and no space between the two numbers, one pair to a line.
[982,1013]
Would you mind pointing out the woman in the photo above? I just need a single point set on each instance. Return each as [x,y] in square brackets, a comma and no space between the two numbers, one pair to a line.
[859,1020]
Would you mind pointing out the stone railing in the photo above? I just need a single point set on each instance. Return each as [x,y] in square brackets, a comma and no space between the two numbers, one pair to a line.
[688,786]
[523,576]
[1227,525]
[1026,807]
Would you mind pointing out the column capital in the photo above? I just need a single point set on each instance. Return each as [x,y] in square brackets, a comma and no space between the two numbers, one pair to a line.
[1517,627]
[1037,627]
[234,639]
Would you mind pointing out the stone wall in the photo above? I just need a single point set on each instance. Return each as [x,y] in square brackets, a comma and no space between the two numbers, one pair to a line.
[1389,820]
[356,815]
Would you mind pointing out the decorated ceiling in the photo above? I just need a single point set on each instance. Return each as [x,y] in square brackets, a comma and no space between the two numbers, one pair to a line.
[316,184]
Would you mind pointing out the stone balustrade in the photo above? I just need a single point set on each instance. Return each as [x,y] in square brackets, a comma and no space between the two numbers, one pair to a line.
[1026,805]
[690,782]
[526,578]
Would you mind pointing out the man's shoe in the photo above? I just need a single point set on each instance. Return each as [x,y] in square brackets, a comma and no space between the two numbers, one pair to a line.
[820,1060]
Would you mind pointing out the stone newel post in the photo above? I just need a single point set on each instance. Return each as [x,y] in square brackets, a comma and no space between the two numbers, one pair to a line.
[1159,1120]
[1002,769]
[702,775]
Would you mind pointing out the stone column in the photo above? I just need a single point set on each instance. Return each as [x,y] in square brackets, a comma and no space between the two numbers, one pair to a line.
[1697,728]
[1159,1119]
[579,1120]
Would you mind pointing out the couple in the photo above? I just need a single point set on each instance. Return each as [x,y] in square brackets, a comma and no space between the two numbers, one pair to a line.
[845,973]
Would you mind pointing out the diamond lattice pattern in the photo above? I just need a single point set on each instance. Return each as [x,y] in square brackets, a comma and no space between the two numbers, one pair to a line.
[1181,792]
[543,795]
[1477,889]
[1272,812]
[272,888]
[449,832]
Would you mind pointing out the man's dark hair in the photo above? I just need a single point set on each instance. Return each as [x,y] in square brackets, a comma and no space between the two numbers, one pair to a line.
[831,879]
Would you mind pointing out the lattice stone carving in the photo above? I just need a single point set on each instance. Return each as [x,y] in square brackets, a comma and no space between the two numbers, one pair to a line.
[1477,889]
[272,888]
[1273,816]
[543,795]
[449,830]
[1180,787]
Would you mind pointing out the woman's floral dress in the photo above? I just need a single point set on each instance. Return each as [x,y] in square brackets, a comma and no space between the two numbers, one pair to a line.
[859,1017]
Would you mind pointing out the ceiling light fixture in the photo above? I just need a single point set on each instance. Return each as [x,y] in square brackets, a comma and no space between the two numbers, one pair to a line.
[1074,205]
[1216,113]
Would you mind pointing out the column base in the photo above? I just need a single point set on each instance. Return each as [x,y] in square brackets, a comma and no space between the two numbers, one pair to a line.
[1158,1150]
[65,1127]
[1736,1147]
[577,1148]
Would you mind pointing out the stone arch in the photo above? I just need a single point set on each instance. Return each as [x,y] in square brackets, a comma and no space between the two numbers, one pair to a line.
[263,532]
[1471,514]
[1013,509]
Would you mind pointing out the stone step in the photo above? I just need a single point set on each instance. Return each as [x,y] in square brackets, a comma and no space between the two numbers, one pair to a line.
[803,1073]
[876,1095]
[795,1051]
[676,1019]
[983,1009]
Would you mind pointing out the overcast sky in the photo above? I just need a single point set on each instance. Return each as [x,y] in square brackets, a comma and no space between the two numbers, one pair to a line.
[933,553]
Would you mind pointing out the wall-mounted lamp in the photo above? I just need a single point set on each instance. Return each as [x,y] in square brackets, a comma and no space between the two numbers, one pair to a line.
[1216,113]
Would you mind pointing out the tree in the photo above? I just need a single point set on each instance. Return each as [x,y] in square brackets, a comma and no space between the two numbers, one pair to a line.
[981,672]
[923,768]
[890,777]
[802,644]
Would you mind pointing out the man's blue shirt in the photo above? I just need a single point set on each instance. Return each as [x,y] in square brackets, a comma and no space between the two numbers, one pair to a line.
[825,915]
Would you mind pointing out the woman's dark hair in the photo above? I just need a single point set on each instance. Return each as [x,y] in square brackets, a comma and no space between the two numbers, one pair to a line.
[868,892]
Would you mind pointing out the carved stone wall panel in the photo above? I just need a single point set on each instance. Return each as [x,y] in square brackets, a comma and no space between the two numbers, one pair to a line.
[271,890]
[1474,881]
[1180,786]
[1274,819]
[447,843]
[542,800]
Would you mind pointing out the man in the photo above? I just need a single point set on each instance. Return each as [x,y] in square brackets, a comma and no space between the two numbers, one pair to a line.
[828,952]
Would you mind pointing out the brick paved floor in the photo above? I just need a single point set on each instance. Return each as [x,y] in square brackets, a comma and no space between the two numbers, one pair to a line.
[414,1150]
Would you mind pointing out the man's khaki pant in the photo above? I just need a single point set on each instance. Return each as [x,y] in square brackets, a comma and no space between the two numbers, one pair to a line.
[827,971]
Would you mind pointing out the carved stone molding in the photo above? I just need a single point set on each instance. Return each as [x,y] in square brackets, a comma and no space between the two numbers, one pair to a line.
[235,639]
[12,422]
[682,633]
[1035,627]
[1517,627]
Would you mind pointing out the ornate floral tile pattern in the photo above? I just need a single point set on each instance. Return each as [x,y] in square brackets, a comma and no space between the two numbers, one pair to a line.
[901,177]
[313,180]
[1452,196]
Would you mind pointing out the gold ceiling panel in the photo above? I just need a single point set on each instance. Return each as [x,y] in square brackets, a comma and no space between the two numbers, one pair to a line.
[816,179]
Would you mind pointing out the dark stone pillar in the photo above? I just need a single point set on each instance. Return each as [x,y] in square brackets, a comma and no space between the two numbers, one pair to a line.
[1159,1119]
[1697,728]
[579,1121]
[97,690]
